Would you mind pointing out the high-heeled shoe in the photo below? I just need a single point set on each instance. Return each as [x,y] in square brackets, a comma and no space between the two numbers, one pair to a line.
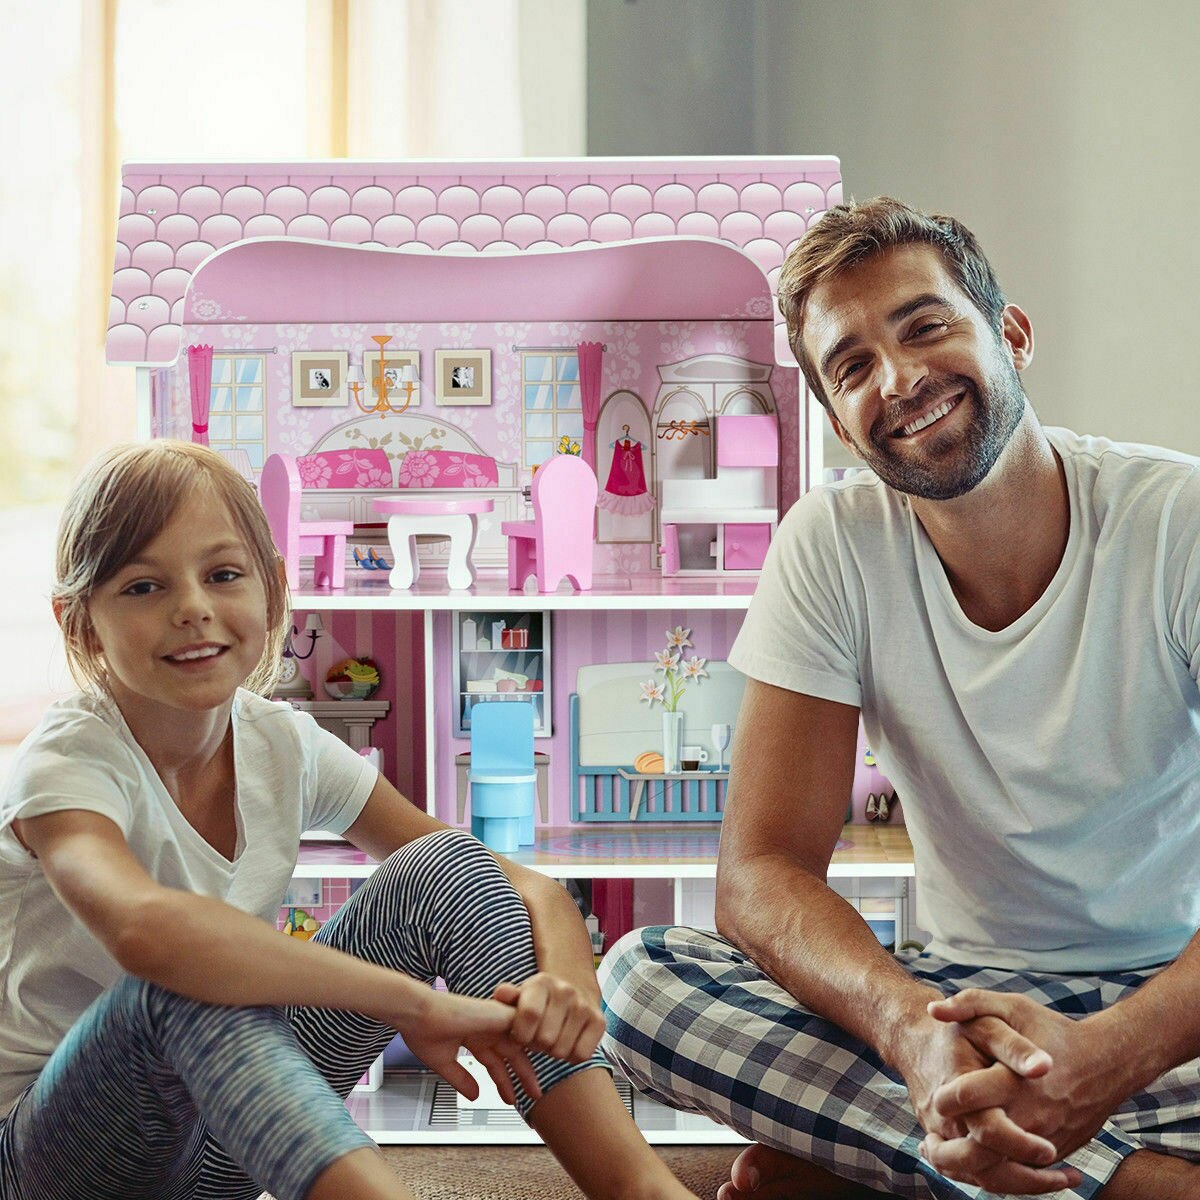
[381,563]
[872,812]
[882,811]
[363,561]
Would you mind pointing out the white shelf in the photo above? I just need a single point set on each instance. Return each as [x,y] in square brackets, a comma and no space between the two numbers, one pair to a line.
[641,851]
[490,593]
[416,1108]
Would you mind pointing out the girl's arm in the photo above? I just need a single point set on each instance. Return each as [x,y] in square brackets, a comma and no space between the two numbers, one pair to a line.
[241,960]
[564,995]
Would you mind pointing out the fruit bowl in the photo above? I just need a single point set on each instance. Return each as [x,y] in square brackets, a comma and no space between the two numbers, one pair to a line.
[352,679]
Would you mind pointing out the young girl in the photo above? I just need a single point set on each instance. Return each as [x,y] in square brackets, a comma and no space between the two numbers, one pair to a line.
[158,1037]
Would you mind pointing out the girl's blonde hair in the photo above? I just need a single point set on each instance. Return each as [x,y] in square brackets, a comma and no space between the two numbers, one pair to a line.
[120,504]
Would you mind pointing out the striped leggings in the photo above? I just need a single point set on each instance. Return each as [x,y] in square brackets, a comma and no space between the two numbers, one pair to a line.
[152,1096]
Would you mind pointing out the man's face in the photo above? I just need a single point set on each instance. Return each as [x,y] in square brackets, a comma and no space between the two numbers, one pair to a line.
[920,387]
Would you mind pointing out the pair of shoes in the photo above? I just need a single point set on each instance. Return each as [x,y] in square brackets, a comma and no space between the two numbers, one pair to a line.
[371,561]
[879,807]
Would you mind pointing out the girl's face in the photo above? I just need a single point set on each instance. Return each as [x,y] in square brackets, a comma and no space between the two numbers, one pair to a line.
[183,624]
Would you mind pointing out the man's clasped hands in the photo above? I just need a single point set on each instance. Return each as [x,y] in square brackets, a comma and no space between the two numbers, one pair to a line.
[1004,1087]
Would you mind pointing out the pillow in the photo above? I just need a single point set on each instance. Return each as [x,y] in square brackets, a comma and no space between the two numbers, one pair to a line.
[345,469]
[446,469]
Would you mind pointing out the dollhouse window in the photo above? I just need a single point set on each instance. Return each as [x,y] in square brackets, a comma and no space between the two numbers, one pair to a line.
[237,405]
[552,408]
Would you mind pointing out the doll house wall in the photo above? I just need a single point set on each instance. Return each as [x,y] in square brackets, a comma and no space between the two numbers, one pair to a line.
[636,356]
[579,638]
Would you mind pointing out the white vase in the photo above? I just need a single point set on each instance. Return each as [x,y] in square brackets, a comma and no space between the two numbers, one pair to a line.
[672,741]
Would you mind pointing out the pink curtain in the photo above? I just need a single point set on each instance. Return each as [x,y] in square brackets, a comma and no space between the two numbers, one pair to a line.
[200,378]
[590,365]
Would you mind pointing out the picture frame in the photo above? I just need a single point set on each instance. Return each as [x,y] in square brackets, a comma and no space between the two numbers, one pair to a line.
[319,379]
[393,361]
[464,377]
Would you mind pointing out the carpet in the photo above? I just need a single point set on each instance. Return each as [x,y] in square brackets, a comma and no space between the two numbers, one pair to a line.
[531,1173]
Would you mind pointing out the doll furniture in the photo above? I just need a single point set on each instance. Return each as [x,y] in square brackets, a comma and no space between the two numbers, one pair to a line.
[502,778]
[410,516]
[279,490]
[557,543]
[741,500]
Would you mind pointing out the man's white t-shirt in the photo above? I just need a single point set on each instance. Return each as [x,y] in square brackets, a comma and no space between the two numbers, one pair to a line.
[1050,772]
[291,776]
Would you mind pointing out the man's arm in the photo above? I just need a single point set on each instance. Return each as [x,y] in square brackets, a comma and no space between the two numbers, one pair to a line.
[793,766]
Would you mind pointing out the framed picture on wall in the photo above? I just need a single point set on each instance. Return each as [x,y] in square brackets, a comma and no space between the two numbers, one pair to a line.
[392,364]
[464,377]
[319,379]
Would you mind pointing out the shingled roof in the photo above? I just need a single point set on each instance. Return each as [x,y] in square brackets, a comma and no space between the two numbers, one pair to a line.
[175,215]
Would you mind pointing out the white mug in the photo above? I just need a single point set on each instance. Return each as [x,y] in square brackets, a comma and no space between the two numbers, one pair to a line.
[693,754]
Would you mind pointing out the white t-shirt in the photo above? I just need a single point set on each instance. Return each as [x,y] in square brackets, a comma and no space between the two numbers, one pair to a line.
[1050,771]
[291,775]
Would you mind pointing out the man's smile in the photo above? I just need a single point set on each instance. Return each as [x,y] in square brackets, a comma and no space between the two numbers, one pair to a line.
[930,417]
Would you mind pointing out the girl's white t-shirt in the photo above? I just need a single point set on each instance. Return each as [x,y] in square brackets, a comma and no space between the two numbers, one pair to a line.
[291,776]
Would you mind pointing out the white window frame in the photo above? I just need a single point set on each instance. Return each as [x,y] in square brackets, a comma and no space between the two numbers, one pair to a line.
[236,443]
[559,355]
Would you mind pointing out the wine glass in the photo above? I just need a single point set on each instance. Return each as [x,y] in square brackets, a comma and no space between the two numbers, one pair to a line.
[721,735]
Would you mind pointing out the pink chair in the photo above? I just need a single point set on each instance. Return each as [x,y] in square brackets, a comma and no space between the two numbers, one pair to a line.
[279,491]
[557,543]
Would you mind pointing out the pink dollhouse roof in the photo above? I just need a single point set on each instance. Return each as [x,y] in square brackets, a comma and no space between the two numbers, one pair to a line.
[174,216]
[296,281]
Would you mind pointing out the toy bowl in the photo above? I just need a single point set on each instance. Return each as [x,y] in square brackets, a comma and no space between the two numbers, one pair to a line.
[347,689]
[352,679]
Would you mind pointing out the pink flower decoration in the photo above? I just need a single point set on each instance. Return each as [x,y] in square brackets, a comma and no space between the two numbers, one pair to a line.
[418,470]
[314,473]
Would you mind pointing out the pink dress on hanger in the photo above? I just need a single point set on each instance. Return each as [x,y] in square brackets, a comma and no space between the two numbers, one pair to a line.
[625,492]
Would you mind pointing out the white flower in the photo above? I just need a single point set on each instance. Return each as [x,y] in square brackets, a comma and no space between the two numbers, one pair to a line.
[679,637]
[668,659]
[694,668]
[652,690]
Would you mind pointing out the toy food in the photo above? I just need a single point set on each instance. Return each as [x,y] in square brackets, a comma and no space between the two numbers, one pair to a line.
[352,679]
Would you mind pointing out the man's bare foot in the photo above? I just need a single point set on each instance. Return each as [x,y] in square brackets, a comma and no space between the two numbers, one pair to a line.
[762,1173]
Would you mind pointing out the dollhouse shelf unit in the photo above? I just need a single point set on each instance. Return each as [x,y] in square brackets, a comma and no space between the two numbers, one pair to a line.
[270,259]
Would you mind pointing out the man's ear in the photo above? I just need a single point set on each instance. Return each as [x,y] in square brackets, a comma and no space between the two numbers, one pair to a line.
[1017,331]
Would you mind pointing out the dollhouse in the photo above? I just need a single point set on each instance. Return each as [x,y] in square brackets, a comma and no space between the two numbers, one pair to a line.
[401,348]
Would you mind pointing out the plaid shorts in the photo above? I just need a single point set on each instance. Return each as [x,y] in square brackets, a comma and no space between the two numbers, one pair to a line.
[695,1024]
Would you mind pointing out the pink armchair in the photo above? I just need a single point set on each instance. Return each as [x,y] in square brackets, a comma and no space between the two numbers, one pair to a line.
[557,543]
[279,491]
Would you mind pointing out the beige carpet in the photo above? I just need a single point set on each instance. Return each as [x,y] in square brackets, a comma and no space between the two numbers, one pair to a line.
[530,1172]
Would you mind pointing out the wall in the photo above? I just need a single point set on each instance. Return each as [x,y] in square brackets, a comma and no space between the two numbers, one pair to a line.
[1061,133]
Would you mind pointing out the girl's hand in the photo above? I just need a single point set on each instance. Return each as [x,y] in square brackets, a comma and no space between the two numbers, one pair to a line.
[553,1016]
[485,1028]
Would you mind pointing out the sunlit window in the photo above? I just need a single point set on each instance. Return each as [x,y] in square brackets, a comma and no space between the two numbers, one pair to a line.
[552,407]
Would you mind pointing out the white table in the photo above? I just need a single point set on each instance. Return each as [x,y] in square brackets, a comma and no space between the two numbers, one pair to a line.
[453,519]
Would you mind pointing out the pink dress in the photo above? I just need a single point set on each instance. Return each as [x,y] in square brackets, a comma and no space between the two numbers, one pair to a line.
[625,492]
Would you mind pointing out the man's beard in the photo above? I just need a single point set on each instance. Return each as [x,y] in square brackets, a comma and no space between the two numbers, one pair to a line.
[949,464]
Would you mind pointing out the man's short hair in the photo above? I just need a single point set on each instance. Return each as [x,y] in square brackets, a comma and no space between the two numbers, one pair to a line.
[848,234]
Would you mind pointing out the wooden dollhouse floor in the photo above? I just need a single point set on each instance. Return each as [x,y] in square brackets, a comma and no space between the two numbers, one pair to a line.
[490,592]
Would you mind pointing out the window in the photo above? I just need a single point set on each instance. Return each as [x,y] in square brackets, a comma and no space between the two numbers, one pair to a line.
[552,408]
[236,408]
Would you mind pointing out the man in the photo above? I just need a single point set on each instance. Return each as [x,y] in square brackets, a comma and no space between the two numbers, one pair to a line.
[1015,612]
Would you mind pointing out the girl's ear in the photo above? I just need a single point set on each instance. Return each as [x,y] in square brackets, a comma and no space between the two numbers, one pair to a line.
[58,604]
